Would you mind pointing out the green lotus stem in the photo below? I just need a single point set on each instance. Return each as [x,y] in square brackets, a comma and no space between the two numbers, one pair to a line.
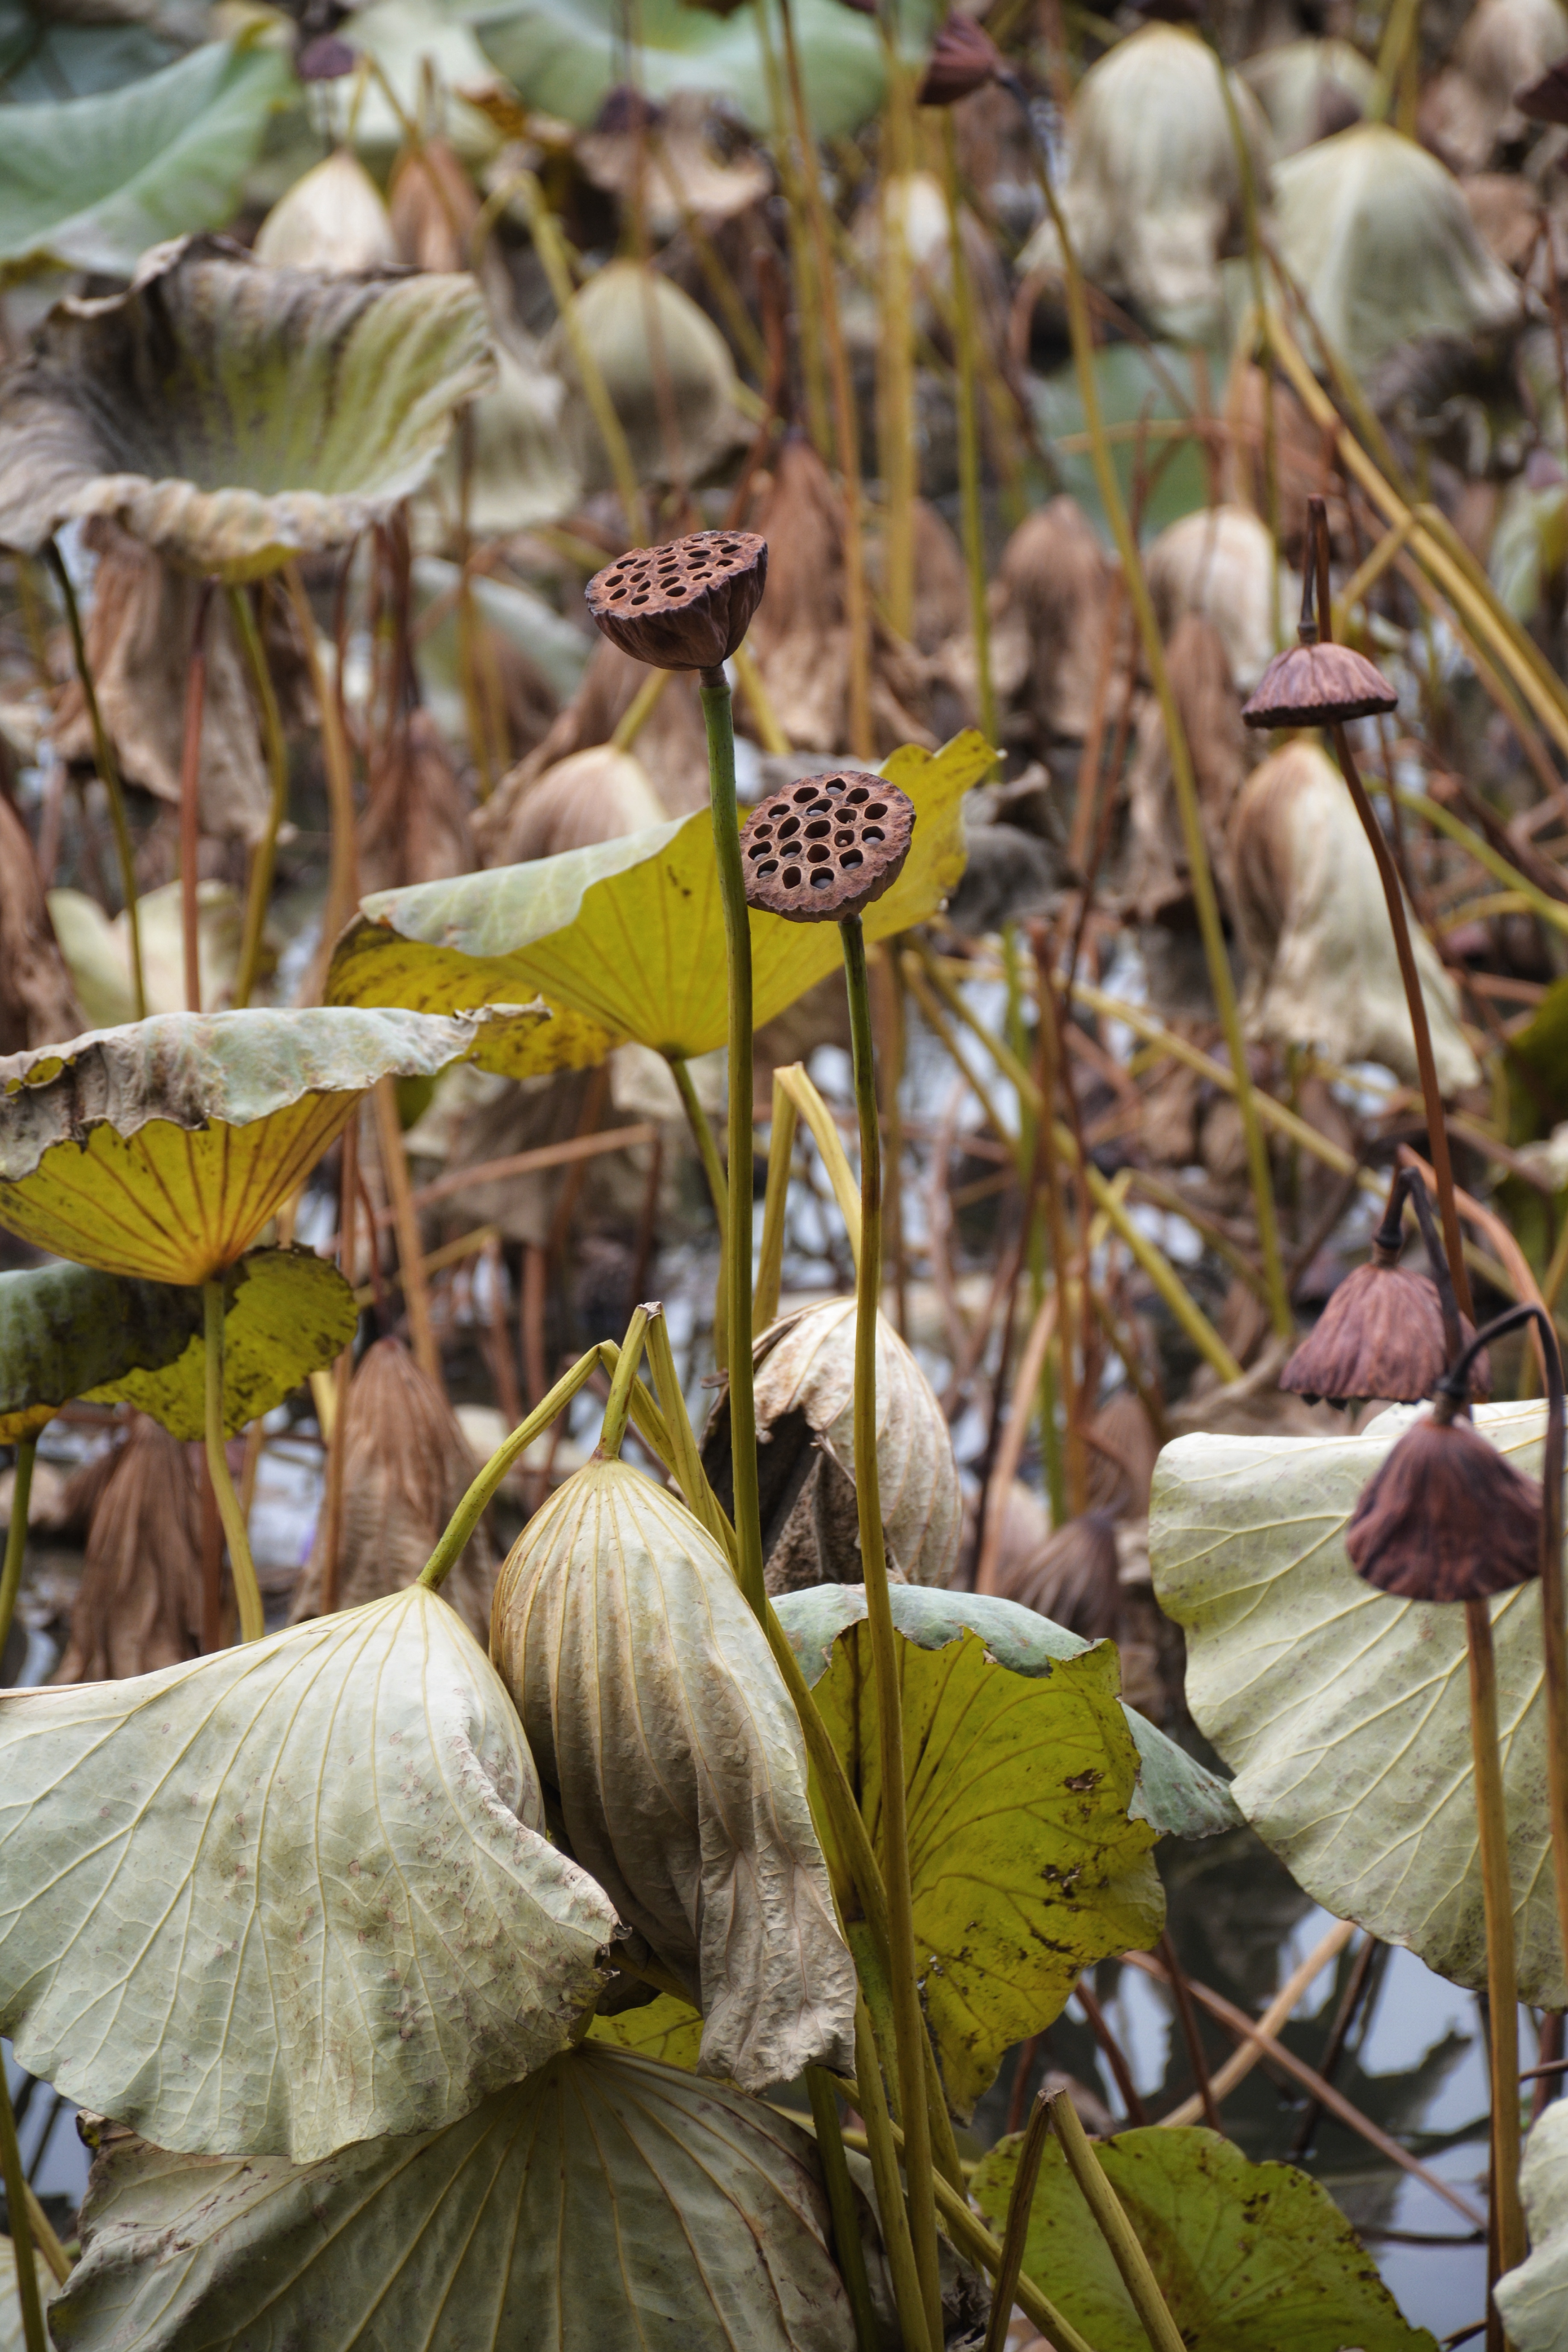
[264,857]
[460,1527]
[974,520]
[1497,1895]
[810,1106]
[1016,2233]
[1253,241]
[246,1591]
[770,1258]
[717,719]
[640,708]
[908,2023]
[896,436]
[847,2241]
[109,768]
[16,1537]
[920,2329]
[35,2336]
[614,1427]
[1114,2227]
[803,266]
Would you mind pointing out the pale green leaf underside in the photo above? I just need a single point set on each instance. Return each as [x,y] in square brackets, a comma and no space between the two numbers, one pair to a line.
[1533,2299]
[290,1895]
[607,2203]
[1345,1714]
[1246,2255]
[627,938]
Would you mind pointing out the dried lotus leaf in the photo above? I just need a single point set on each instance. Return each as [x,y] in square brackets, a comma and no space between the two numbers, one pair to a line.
[657,1714]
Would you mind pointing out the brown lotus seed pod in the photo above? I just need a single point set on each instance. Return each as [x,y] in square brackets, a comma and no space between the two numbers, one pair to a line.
[685,605]
[1546,100]
[823,849]
[1317,686]
[1446,1517]
[963,59]
[1381,1335]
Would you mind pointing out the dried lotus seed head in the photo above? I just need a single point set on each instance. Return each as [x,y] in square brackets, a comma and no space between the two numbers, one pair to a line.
[826,847]
[685,605]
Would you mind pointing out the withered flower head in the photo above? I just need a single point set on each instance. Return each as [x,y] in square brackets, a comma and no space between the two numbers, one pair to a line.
[963,59]
[1382,1333]
[1546,100]
[1446,1517]
[685,605]
[827,846]
[1310,685]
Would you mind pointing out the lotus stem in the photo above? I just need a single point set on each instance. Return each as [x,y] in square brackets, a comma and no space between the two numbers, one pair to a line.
[974,520]
[921,2329]
[191,804]
[640,708]
[264,857]
[808,309]
[749,679]
[35,2336]
[847,2241]
[460,1527]
[1497,1893]
[770,1258]
[246,1591]
[717,720]
[896,436]
[809,1103]
[405,1224]
[16,1537]
[1142,2287]
[1016,2233]
[108,770]
[614,1427]
[343,879]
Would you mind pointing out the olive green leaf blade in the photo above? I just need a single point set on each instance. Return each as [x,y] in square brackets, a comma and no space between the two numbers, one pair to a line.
[287,1313]
[1344,1714]
[90,183]
[65,1329]
[1244,2254]
[607,2201]
[1026,1867]
[289,1895]
[230,416]
[627,938]
[665,2029]
[1533,2299]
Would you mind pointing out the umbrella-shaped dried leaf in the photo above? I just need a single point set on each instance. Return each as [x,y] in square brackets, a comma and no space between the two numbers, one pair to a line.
[1026,1867]
[1309,89]
[1056,576]
[512,458]
[1322,969]
[667,372]
[162,1149]
[605,2202]
[1220,562]
[230,416]
[1244,2254]
[333,220]
[407,1467]
[651,1700]
[90,183]
[627,938]
[37,999]
[599,795]
[1344,1713]
[291,1896]
[139,1605]
[1533,2300]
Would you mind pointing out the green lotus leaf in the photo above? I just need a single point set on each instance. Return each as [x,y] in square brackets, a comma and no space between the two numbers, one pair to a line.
[1533,2299]
[1245,2254]
[90,183]
[627,938]
[1344,1712]
[289,1895]
[42,57]
[65,1329]
[162,1149]
[665,2029]
[1026,1867]
[607,2201]
[1177,1796]
[230,416]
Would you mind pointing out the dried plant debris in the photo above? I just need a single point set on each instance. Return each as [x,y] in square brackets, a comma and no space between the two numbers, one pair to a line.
[139,1606]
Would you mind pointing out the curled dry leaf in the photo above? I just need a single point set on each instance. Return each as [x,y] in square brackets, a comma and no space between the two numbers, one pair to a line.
[291,1896]
[1533,2300]
[1075,1578]
[37,999]
[668,371]
[139,1605]
[1056,577]
[407,1467]
[599,795]
[659,1720]
[687,159]
[1469,110]
[332,221]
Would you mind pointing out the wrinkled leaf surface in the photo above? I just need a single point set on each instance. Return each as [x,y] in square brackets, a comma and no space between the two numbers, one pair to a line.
[1533,2299]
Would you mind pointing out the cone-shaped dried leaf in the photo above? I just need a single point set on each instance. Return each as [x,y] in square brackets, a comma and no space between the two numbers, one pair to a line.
[605,2202]
[1244,2254]
[139,1605]
[1346,1713]
[1025,1864]
[229,414]
[626,938]
[332,220]
[1533,2299]
[163,1148]
[290,1895]
[91,183]
[636,324]
[656,1711]
[1308,90]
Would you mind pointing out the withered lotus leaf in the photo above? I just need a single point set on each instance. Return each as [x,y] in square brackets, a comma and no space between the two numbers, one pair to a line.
[658,1716]
[67,1328]
[290,1895]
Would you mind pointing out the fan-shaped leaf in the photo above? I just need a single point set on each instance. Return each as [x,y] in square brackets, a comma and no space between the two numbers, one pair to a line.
[605,2202]
[1244,2254]
[627,938]
[1533,2299]
[1345,1714]
[289,1895]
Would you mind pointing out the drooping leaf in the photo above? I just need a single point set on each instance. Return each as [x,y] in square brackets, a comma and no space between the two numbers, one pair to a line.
[1345,1714]
[65,1329]
[627,938]
[1025,1865]
[289,1895]
[90,183]
[607,2201]
[162,1149]
[229,415]
[1244,2254]
[665,2029]
[1533,2299]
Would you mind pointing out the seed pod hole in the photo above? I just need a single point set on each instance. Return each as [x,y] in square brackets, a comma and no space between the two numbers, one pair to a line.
[841,840]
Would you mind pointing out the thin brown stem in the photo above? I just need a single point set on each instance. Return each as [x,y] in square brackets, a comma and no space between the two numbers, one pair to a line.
[1497,1891]
[191,804]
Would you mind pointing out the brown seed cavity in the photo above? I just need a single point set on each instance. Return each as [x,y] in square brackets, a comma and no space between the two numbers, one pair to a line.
[827,847]
[684,606]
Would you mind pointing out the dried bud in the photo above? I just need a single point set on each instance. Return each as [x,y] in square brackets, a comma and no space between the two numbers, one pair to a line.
[655,1711]
[963,59]
[1317,686]
[326,58]
[826,848]
[685,605]
[1381,1335]
[1075,1579]
[1446,1517]
[1546,100]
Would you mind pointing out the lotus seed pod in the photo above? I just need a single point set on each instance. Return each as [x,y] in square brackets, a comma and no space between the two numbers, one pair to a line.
[685,605]
[656,1714]
[1318,686]
[1446,1517]
[826,847]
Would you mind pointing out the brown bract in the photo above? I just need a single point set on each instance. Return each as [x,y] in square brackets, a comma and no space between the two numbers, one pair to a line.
[139,1605]
[1075,1579]
[1546,100]
[685,605]
[1317,686]
[826,847]
[1445,1518]
[963,59]
[1381,1335]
